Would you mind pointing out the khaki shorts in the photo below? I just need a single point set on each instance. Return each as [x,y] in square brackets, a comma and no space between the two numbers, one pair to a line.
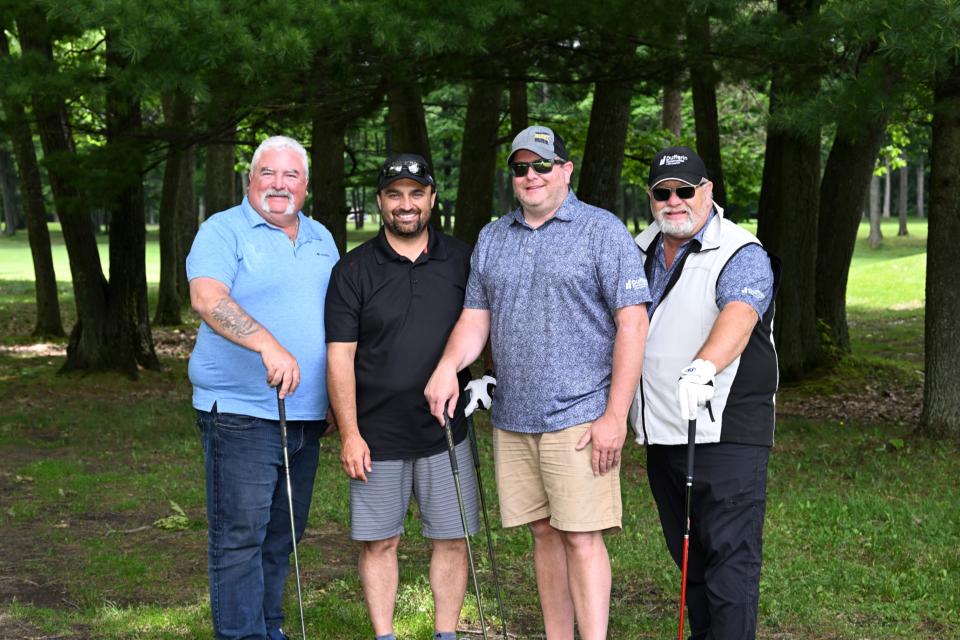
[544,476]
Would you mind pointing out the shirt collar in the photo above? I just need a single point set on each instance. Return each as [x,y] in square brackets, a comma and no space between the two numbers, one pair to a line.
[436,250]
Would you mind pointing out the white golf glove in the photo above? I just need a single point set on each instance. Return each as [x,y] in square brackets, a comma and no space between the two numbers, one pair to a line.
[695,387]
[480,393]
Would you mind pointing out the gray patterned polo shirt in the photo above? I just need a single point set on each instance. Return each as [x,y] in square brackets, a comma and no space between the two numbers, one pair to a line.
[551,293]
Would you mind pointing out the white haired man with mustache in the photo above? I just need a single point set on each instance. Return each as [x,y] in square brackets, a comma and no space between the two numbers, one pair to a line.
[258,278]
[711,326]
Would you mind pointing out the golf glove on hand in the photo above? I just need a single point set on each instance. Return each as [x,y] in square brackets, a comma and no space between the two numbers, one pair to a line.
[480,392]
[695,387]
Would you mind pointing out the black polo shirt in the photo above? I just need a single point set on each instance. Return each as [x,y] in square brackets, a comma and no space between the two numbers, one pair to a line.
[400,314]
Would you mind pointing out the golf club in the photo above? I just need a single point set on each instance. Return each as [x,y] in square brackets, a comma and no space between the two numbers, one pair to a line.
[463,516]
[691,446]
[486,521]
[282,409]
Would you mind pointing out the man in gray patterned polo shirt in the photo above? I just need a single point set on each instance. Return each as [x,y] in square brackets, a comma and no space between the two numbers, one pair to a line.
[558,286]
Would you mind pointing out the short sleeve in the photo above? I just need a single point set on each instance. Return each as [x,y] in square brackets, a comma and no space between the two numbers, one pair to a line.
[476,294]
[620,269]
[747,277]
[341,313]
[214,253]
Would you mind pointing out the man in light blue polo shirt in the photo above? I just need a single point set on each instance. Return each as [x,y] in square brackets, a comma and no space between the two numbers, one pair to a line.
[258,278]
[558,286]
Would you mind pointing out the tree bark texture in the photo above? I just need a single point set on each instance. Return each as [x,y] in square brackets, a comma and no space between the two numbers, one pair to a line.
[921,211]
[188,220]
[789,207]
[408,124]
[128,342]
[902,188]
[606,140]
[703,86]
[327,177]
[219,190]
[941,390]
[519,109]
[175,112]
[478,159]
[845,184]
[8,189]
[48,321]
[671,116]
[887,187]
[79,233]
[876,233]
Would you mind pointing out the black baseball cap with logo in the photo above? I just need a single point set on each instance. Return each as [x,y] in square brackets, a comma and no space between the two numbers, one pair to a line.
[677,163]
[405,165]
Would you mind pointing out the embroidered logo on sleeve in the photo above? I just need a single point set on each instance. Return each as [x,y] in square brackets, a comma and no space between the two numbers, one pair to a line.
[635,283]
[754,293]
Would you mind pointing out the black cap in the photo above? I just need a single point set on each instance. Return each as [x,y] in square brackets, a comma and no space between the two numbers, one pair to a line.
[677,163]
[405,165]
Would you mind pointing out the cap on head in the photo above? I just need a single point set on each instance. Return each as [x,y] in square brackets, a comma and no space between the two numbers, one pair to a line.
[541,141]
[405,166]
[677,163]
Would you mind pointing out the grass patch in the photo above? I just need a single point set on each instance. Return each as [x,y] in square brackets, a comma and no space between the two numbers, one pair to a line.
[862,518]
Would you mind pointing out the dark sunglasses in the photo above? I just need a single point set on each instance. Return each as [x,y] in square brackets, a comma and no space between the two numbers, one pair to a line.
[411,167]
[662,194]
[541,166]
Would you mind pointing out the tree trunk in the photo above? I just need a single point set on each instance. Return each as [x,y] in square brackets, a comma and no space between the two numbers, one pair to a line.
[8,189]
[703,85]
[876,234]
[941,390]
[845,183]
[920,207]
[327,177]
[519,110]
[789,206]
[606,141]
[408,124]
[129,342]
[902,197]
[79,233]
[671,117]
[176,109]
[219,190]
[45,280]
[188,220]
[887,182]
[478,159]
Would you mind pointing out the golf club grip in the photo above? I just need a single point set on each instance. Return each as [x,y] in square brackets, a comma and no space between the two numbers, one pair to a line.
[450,447]
[472,434]
[282,414]
[691,446]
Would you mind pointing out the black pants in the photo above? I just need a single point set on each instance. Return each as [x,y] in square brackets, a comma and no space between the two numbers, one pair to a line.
[726,538]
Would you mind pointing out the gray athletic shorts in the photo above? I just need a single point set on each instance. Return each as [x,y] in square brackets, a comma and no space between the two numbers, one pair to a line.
[379,506]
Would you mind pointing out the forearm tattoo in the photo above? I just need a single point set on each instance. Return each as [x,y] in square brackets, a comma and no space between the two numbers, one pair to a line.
[234,320]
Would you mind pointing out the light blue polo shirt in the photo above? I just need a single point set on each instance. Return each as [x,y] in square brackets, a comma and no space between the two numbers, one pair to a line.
[283,286]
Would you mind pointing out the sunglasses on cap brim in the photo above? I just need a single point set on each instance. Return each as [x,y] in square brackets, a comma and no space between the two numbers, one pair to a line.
[410,167]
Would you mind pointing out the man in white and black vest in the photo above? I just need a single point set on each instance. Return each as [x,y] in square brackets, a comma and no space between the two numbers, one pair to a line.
[709,357]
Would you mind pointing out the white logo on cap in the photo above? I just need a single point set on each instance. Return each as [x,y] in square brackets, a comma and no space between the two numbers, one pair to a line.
[672,160]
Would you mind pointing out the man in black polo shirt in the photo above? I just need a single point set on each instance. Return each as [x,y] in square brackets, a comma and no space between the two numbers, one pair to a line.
[391,305]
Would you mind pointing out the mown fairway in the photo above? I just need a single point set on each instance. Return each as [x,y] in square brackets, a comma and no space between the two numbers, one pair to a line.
[102,525]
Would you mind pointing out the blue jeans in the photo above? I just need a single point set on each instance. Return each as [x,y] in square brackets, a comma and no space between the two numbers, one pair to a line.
[248,516]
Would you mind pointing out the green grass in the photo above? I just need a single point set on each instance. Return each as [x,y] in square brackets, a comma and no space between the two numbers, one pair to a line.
[863,515]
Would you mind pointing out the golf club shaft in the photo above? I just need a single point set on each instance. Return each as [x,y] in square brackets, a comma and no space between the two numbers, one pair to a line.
[455,467]
[691,448]
[486,522]
[282,411]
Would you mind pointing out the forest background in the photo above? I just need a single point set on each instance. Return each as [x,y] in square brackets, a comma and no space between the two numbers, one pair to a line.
[125,123]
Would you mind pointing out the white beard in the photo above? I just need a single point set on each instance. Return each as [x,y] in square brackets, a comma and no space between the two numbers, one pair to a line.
[679,228]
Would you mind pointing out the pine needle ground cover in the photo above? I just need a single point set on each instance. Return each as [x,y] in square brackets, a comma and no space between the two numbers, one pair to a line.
[103,532]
